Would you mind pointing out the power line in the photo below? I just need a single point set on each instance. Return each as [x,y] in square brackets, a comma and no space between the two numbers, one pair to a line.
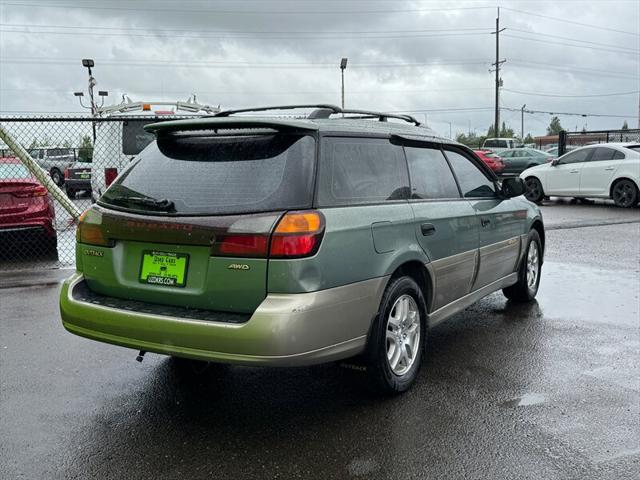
[572,39]
[570,68]
[252,12]
[454,33]
[564,20]
[570,113]
[536,94]
[569,45]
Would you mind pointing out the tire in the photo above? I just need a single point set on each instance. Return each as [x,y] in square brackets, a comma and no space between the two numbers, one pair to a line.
[57,177]
[534,191]
[624,193]
[397,338]
[526,288]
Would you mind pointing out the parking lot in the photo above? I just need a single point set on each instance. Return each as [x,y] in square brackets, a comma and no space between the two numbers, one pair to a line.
[543,390]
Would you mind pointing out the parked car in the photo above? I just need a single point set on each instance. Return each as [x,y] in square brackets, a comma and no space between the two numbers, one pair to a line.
[77,178]
[54,160]
[281,241]
[492,160]
[519,159]
[499,144]
[26,209]
[607,170]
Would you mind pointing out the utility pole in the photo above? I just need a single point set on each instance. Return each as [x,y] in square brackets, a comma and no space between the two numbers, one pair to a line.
[88,63]
[522,122]
[496,122]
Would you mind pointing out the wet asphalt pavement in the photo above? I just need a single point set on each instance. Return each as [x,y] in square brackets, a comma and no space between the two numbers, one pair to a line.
[549,390]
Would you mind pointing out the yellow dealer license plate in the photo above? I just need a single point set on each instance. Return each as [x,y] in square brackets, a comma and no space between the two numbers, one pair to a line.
[164,268]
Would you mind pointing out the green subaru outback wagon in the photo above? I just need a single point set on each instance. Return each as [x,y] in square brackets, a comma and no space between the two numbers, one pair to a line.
[247,239]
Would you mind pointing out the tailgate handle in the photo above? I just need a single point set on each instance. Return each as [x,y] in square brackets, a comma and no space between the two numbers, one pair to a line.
[427,229]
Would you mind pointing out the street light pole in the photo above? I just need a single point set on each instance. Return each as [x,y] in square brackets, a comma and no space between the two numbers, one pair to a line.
[343,66]
[522,122]
[496,122]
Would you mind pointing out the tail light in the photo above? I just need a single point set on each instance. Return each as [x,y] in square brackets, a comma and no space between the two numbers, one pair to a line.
[37,191]
[298,234]
[110,175]
[66,173]
[89,231]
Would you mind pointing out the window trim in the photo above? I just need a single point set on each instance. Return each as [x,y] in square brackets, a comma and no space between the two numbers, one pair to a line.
[363,136]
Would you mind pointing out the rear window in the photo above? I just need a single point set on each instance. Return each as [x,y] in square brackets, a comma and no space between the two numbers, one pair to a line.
[13,170]
[496,143]
[208,175]
[361,170]
[60,152]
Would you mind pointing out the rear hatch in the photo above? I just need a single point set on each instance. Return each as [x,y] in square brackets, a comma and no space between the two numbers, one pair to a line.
[18,190]
[189,222]
[79,173]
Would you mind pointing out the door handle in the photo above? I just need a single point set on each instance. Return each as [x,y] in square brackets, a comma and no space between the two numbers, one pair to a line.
[574,171]
[609,168]
[485,221]
[427,229]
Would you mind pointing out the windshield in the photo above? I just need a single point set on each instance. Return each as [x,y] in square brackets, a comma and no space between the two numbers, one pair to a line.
[208,175]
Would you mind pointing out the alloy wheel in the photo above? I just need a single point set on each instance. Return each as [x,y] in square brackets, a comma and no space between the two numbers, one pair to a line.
[403,334]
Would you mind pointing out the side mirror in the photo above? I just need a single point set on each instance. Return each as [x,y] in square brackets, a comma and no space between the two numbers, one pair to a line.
[513,187]
[555,162]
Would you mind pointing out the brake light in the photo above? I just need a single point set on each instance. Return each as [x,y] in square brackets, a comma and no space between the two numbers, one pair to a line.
[66,173]
[298,234]
[90,233]
[110,175]
[37,191]
[251,245]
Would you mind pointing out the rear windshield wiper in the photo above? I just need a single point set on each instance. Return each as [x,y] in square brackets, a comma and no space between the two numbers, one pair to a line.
[164,204]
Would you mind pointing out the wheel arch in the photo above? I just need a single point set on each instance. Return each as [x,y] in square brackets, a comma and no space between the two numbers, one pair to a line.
[421,274]
[539,227]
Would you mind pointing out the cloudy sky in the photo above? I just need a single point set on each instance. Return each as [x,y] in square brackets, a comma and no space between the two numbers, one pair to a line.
[428,57]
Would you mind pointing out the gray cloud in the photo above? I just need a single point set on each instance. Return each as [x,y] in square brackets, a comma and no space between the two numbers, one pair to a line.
[151,50]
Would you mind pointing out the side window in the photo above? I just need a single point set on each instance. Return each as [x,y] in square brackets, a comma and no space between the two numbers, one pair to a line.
[430,173]
[603,153]
[473,182]
[361,170]
[618,155]
[575,157]
[505,154]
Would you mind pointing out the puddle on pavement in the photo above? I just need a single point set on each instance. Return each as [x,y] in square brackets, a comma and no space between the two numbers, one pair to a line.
[526,400]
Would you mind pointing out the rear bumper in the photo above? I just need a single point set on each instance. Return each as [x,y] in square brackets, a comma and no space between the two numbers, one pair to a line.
[285,330]
[78,184]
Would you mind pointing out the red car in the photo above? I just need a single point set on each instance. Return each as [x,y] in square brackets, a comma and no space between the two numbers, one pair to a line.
[26,210]
[493,161]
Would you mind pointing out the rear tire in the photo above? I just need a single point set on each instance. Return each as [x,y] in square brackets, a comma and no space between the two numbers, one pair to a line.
[526,288]
[624,193]
[57,177]
[534,192]
[397,338]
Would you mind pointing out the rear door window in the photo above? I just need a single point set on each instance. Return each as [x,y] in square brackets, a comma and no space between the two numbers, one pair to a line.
[603,153]
[218,174]
[361,170]
[473,182]
[431,176]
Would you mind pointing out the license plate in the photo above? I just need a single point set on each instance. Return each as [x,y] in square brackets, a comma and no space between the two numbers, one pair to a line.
[85,175]
[164,268]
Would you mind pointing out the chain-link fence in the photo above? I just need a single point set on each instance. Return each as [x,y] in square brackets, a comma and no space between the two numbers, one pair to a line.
[81,156]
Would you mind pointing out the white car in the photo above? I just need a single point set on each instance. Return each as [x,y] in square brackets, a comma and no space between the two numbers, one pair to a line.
[606,170]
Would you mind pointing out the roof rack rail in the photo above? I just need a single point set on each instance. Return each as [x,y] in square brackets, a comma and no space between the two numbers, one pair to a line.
[226,113]
[382,116]
[325,111]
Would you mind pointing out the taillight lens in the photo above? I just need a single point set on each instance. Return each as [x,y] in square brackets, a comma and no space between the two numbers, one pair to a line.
[241,245]
[66,173]
[110,175]
[37,191]
[298,234]
[90,232]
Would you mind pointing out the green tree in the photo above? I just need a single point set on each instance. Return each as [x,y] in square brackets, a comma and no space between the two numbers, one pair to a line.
[625,125]
[554,127]
[85,151]
[528,139]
